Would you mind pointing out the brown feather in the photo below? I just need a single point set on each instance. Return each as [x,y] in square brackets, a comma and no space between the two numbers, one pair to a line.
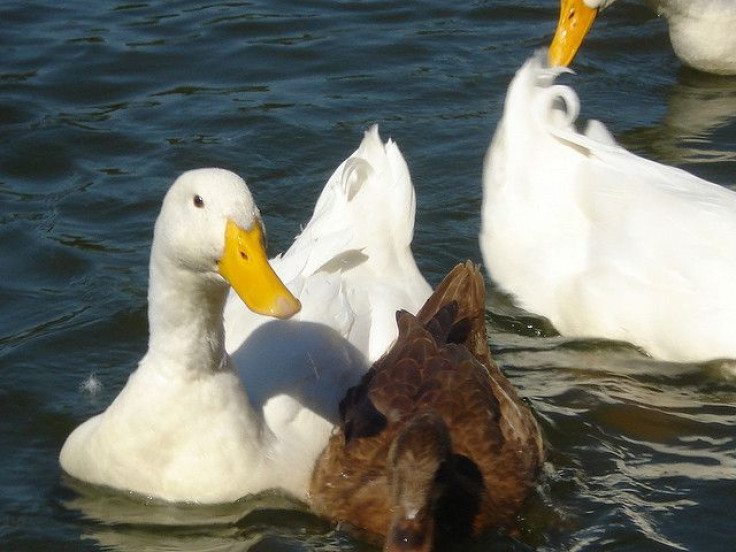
[440,366]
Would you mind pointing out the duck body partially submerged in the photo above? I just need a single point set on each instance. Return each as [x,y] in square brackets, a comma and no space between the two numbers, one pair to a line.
[701,32]
[434,441]
[600,241]
[182,428]
[227,402]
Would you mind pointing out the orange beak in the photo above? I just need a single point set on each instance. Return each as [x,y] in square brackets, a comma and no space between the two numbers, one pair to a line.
[575,21]
[245,265]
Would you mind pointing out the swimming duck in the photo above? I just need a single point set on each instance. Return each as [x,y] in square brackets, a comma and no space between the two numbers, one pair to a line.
[434,442]
[600,241]
[351,267]
[701,31]
[182,429]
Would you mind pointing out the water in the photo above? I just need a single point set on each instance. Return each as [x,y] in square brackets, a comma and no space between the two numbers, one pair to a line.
[102,104]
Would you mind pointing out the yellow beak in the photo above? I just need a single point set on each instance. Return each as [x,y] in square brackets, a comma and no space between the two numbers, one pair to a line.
[575,21]
[245,265]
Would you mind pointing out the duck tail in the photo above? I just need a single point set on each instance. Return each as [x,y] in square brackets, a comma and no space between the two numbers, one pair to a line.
[455,312]
[365,211]
[384,181]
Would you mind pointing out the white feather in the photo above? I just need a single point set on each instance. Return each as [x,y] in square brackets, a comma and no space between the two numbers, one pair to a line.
[600,241]
[193,424]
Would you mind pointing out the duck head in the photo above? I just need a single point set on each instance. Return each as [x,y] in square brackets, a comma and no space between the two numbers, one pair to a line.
[416,456]
[210,226]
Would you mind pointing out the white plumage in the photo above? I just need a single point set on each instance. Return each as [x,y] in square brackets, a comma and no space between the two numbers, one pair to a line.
[194,424]
[600,241]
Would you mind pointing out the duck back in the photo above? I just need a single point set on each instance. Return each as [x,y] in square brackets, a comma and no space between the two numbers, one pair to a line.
[440,367]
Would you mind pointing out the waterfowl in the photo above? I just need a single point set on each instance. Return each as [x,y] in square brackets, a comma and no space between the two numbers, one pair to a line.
[350,266]
[182,429]
[600,241]
[701,31]
[434,442]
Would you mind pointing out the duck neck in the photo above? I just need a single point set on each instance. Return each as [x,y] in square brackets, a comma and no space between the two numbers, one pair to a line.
[185,320]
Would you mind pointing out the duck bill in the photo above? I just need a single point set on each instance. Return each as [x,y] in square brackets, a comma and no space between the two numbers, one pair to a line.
[575,21]
[245,265]
[414,534]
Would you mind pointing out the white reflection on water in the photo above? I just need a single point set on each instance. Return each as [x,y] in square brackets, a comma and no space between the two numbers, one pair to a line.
[698,105]
[127,522]
[634,442]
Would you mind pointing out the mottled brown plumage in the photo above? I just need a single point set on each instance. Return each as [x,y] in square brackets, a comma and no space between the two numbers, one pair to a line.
[434,439]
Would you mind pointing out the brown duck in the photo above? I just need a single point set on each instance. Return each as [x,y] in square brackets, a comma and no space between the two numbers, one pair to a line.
[434,442]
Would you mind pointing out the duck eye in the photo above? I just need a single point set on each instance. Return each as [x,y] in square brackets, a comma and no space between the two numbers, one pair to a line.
[198,201]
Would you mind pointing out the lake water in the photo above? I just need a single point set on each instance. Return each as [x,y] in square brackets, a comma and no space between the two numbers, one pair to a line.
[103,104]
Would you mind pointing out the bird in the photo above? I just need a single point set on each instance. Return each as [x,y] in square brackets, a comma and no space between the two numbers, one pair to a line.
[434,443]
[181,429]
[351,267]
[701,31]
[602,242]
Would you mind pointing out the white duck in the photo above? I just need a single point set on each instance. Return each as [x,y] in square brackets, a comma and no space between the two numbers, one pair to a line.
[180,437]
[182,428]
[600,241]
[702,32]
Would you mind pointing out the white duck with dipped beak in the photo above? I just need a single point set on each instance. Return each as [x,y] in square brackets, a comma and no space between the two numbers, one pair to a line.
[702,32]
[603,242]
[182,428]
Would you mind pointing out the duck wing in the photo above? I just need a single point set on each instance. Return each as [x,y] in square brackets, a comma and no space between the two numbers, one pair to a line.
[440,363]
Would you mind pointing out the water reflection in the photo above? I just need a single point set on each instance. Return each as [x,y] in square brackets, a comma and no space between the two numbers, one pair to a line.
[635,444]
[268,522]
[698,106]
[128,522]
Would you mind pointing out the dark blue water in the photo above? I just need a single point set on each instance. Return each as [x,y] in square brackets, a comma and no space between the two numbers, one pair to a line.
[103,104]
